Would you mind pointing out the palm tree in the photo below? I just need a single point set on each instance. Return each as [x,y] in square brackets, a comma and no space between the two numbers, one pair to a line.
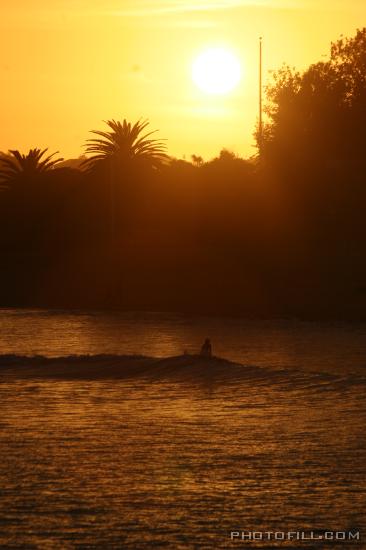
[123,149]
[15,166]
[125,144]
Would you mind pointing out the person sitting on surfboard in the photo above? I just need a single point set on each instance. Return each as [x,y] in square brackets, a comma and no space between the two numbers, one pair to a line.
[206,350]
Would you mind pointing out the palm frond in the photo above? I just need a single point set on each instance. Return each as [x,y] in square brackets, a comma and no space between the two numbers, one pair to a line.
[16,165]
[125,143]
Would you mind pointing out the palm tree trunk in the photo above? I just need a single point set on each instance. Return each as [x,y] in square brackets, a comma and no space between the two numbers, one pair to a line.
[112,207]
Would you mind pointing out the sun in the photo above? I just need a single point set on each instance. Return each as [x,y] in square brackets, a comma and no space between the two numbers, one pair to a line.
[216,71]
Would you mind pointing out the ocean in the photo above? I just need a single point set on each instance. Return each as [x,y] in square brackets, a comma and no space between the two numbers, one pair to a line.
[184,455]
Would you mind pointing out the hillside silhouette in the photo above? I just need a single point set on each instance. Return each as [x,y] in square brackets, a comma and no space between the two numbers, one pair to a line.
[126,226]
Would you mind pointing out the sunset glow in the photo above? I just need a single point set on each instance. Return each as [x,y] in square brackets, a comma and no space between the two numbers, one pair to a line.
[69,68]
[216,71]
[182,282]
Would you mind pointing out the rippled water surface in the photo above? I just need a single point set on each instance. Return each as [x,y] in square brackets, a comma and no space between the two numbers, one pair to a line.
[331,347]
[178,462]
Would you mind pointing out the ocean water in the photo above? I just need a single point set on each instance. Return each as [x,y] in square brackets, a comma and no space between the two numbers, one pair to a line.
[180,459]
[323,347]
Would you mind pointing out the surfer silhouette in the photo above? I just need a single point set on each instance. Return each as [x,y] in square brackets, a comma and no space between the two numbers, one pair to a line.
[206,349]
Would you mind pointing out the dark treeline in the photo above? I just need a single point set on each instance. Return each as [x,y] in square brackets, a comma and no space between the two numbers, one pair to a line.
[282,233]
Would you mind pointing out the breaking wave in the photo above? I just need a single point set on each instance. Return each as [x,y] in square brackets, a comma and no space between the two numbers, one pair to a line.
[190,368]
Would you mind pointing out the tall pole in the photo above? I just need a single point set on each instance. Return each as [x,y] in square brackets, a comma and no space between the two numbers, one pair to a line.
[260,129]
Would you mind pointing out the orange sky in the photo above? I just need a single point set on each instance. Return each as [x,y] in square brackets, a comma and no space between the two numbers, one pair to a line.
[66,65]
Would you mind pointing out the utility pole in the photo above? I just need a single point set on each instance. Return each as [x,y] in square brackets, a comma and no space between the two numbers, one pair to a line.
[260,129]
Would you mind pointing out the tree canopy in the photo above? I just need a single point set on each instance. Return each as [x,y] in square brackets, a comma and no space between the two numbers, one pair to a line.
[320,114]
[124,143]
[16,166]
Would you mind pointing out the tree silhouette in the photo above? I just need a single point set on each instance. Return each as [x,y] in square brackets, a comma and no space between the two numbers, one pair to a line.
[124,144]
[16,166]
[320,113]
[197,160]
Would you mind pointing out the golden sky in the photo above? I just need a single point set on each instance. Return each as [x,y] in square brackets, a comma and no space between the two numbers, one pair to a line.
[66,65]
